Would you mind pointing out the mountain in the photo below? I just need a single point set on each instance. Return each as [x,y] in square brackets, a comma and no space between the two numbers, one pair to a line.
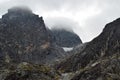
[100,59]
[24,37]
[65,38]
[30,51]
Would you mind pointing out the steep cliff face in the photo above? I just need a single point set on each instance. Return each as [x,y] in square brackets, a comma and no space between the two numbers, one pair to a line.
[65,38]
[99,60]
[24,37]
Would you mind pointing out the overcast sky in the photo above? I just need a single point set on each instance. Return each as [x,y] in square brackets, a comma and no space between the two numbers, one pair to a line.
[86,17]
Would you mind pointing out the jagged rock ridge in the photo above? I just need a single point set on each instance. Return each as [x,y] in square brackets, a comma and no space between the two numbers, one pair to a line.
[100,59]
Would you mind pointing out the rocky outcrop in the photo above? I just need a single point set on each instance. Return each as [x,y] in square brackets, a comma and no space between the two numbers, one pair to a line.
[27,71]
[65,38]
[99,60]
[24,37]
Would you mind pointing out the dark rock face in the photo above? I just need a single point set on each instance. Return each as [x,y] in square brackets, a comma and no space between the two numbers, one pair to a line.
[65,38]
[24,37]
[100,58]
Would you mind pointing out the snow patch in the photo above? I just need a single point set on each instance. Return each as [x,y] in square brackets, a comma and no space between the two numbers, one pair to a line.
[67,48]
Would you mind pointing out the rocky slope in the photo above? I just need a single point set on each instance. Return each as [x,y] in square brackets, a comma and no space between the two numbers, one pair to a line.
[65,38]
[27,71]
[24,37]
[100,59]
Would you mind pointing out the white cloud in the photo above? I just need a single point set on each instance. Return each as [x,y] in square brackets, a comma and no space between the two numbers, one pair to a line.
[2,1]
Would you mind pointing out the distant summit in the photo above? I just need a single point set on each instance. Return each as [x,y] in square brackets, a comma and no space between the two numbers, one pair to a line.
[65,38]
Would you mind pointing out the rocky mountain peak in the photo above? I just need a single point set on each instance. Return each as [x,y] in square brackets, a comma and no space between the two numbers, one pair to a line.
[24,37]
[20,15]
